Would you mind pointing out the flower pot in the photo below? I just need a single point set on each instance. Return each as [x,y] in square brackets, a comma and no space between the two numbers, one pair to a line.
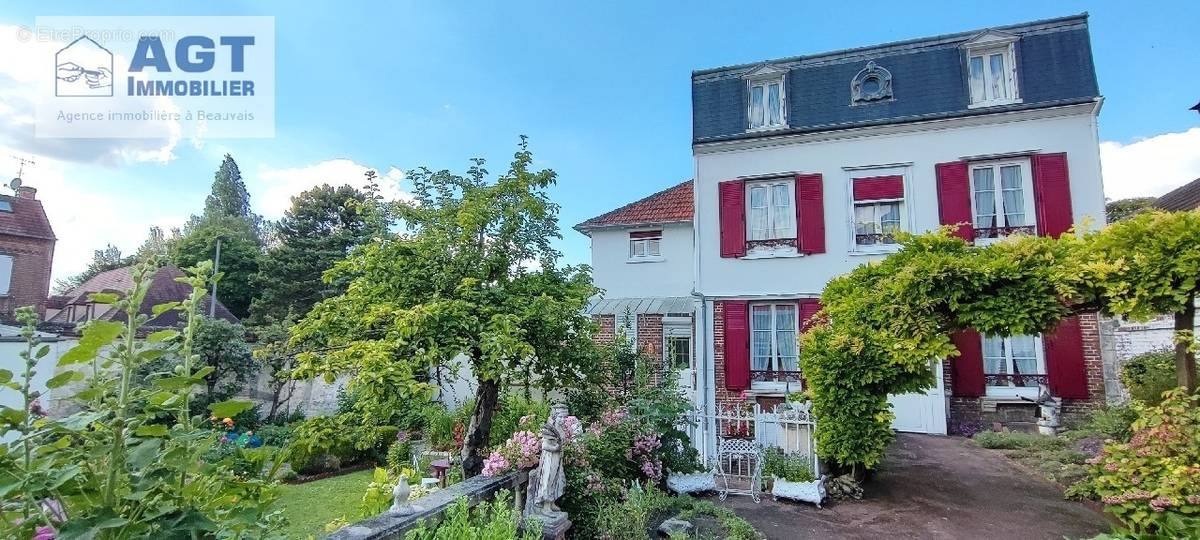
[691,482]
[813,492]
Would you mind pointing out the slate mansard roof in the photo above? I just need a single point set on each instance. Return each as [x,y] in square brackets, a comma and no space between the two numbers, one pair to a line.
[671,205]
[929,81]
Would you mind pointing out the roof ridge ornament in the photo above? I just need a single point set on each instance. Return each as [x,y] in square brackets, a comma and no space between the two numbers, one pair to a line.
[872,84]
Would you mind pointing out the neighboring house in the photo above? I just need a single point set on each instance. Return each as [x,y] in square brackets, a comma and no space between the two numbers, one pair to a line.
[643,260]
[26,253]
[1185,197]
[807,166]
[77,307]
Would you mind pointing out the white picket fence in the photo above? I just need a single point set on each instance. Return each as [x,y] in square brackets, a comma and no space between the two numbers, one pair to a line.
[722,438]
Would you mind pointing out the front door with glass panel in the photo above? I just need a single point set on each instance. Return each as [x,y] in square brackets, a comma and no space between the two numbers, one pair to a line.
[680,359]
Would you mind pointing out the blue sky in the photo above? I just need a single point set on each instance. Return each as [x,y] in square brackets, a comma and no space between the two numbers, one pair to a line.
[601,88]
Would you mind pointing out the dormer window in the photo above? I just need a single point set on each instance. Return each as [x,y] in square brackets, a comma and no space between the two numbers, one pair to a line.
[767,103]
[991,70]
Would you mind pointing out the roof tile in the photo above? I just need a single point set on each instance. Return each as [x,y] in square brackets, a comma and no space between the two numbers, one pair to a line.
[670,205]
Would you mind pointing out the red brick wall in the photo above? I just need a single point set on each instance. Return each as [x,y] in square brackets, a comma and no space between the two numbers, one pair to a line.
[30,274]
[607,331]
[965,413]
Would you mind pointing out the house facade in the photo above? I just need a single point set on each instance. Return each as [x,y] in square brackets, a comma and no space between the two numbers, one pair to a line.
[26,253]
[805,167]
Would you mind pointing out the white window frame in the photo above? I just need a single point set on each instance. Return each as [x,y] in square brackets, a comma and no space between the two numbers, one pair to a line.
[678,331]
[774,386]
[645,244]
[984,52]
[6,260]
[1008,390]
[764,79]
[896,169]
[784,248]
[998,192]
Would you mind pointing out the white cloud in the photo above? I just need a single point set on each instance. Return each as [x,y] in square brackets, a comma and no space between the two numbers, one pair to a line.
[1150,167]
[273,189]
[22,76]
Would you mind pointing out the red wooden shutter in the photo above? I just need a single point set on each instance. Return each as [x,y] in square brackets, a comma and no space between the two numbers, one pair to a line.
[1052,194]
[966,370]
[808,310]
[954,197]
[810,214]
[737,345]
[731,210]
[1064,360]
[879,187]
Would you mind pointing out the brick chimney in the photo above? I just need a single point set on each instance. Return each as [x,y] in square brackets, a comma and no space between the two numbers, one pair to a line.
[27,192]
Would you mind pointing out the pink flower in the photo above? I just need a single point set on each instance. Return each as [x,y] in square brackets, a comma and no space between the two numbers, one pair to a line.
[495,464]
[45,533]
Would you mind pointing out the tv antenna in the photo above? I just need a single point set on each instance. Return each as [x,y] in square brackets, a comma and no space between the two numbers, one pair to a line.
[15,183]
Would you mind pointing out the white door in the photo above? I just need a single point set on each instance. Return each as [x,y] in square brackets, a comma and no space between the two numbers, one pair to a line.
[678,355]
[921,412]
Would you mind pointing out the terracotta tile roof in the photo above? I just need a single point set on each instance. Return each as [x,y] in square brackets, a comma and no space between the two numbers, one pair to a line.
[27,218]
[163,289]
[1185,197]
[670,205]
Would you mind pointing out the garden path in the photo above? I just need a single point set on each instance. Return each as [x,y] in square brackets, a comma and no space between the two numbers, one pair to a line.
[934,487]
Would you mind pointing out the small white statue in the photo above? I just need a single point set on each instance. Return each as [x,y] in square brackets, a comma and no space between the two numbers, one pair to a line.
[552,482]
[400,495]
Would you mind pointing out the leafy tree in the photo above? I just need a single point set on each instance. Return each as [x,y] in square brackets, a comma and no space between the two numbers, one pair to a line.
[475,277]
[1145,266]
[1122,209]
[229,197]
[323,225]
[275,357]
[240,254]
[103,260]
[157,246]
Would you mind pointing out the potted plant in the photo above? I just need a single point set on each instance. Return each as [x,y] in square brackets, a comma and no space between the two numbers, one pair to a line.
[791,476]
[686,474]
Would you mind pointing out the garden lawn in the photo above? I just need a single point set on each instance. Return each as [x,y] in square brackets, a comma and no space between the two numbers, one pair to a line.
[310,506]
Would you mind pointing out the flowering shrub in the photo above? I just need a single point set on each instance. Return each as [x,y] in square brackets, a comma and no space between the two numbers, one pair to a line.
[643,453]
[1152,483]
[522,451]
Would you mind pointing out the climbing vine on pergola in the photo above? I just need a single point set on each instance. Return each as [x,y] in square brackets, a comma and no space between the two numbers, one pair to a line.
[882,324]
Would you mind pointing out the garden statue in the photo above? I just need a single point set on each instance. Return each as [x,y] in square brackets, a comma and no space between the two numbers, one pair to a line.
[547,481]
[400,495]
[1051,412]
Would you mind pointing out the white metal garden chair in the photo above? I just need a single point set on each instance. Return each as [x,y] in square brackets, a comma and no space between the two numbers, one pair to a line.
[748,456]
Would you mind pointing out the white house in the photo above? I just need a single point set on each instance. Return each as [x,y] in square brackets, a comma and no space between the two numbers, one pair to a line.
[806,166]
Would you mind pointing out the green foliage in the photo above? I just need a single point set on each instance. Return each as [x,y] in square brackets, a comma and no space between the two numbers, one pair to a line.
[630,519]
[1152,482]
[318,439]
[440,425]
[513,407]
[116,470]
[399,455]
[1011,440]
[736,528]
[790,467]
[1123,209]
[883,322]
[240,250]
[321,227]
[460,282]
[1148,375]
[1112,422]
[275,435]
[493,520]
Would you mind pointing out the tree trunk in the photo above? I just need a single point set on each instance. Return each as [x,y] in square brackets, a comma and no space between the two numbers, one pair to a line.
[480,428]
[1185,359]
